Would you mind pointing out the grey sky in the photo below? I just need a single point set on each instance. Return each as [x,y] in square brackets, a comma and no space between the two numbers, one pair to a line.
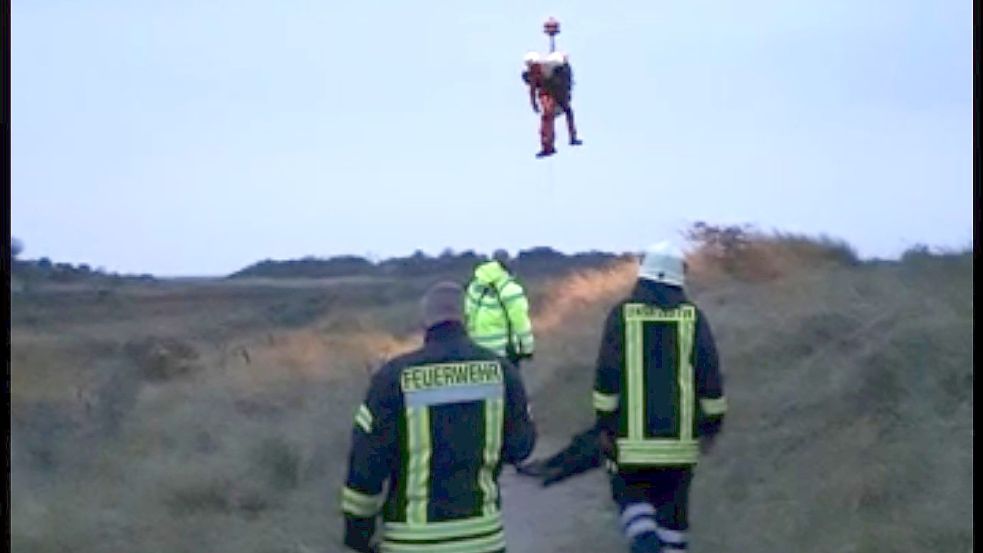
[196,137]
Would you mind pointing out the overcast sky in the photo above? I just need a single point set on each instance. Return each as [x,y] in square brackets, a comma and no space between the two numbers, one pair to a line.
[194,137]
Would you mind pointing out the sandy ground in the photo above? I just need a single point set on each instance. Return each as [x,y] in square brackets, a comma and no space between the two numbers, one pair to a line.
[575,515]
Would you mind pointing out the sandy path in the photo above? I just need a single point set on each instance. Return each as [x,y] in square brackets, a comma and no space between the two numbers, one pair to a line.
[574,516]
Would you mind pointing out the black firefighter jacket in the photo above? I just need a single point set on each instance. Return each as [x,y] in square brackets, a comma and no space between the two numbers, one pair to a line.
[428,446]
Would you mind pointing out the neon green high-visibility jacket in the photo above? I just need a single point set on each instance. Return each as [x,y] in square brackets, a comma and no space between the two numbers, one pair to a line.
[497,312]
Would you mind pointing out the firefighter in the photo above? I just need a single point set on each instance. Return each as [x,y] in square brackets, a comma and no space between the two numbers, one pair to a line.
[497,310]
[430,440]
[550,80]
[658,400]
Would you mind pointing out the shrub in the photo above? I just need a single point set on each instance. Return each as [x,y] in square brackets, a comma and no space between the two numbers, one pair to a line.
[746,253]
[162,359]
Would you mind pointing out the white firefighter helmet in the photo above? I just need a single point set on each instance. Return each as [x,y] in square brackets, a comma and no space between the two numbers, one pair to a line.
[531,58]
[663,262]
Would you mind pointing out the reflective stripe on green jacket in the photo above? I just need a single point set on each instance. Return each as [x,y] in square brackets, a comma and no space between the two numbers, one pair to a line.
[495,304]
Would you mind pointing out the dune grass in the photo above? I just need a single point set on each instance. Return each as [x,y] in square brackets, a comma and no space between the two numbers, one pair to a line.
[216,417]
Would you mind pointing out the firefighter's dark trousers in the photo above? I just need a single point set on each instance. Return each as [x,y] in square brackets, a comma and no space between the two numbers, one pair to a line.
[654,505]
[550,103]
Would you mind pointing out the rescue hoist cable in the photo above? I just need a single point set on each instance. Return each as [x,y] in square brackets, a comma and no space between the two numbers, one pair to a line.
[552,28]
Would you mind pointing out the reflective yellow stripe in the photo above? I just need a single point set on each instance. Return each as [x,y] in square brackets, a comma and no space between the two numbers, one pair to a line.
[650,313]
[512,297]
[494,345]
[485,302]
[418,473]
[686,326]
[605,402]
[499,338]
[636,449]
[359,504]
[494,414]
[444,530]
[495,336]
[713,406]
[634,368]
[511,292]
[649,459]
[487,544]
[656,445]
[657,452]
[363,418]
[490,343]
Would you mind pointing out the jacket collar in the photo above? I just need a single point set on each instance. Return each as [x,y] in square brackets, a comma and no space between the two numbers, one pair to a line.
[445,331]
[658,293]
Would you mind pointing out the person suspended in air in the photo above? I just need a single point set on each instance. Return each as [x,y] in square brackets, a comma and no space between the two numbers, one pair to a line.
[550,81]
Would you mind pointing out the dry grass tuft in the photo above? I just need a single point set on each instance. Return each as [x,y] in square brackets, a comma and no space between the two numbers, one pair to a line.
[741,252]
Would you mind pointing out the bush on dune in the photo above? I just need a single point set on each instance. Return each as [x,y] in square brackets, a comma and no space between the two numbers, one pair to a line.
[745,253]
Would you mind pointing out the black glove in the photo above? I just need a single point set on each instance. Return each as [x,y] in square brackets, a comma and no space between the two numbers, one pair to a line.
[607,444]
[358,534]
[709,430]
